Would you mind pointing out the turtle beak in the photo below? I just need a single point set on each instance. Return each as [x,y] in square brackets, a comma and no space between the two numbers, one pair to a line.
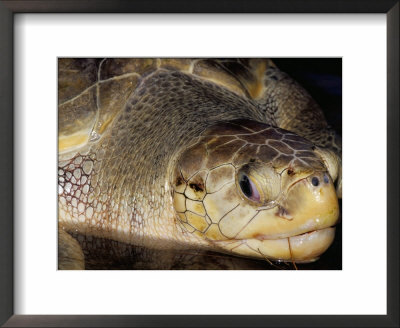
[300,226]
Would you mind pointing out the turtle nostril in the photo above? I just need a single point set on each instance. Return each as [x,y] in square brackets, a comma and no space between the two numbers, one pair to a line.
[315,181]
[326,179]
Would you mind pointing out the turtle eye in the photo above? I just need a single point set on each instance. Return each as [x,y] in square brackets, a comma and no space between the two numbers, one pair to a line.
[249,188]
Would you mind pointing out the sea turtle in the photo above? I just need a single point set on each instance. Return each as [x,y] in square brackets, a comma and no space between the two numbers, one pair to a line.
[230,155]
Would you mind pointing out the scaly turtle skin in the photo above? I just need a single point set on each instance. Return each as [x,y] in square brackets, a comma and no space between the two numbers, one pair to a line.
[226,155]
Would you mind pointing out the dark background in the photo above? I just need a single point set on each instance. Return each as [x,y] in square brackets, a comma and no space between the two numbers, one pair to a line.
[322,78]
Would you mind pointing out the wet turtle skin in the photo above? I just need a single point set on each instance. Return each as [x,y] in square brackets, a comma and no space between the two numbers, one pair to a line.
[105,164]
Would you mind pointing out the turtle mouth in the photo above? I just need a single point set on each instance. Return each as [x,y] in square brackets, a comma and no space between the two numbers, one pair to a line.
[301,248]
[277,237]
[304,247]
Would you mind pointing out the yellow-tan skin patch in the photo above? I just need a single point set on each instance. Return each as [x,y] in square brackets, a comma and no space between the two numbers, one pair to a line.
[72,141]
[291,221]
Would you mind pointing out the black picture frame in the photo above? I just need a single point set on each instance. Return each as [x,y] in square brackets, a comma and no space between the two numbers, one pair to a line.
[10,7]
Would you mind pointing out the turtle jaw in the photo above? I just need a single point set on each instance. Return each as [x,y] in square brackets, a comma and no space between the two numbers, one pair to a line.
[306,247]
[303,248]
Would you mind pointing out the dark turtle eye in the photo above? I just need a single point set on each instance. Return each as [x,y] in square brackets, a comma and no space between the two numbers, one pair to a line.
[249,188]
[315,181]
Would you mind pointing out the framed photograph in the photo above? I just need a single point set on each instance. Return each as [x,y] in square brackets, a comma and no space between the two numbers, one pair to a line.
[275,238]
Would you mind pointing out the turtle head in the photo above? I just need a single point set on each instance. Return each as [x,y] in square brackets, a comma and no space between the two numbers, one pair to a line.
[256,190]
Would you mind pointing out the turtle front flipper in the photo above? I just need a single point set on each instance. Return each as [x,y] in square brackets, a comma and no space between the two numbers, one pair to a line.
[70,255]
